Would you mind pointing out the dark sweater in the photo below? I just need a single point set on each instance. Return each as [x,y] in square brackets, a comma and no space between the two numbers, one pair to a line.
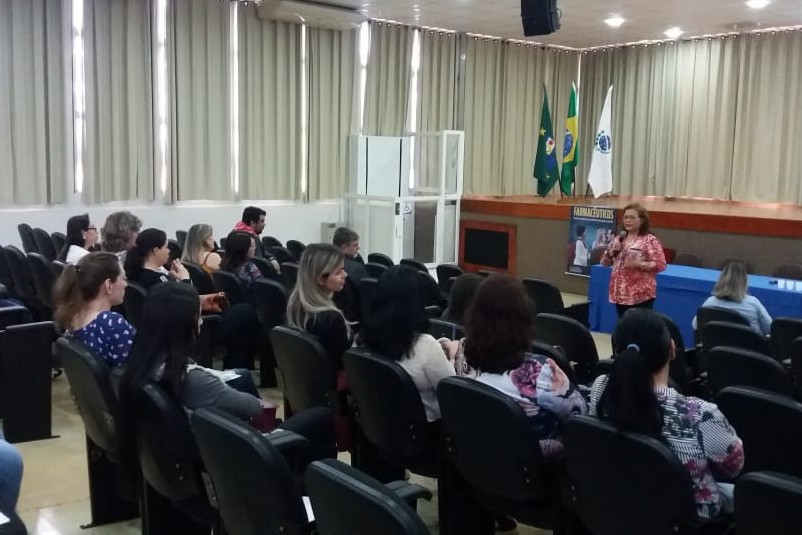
[330,330]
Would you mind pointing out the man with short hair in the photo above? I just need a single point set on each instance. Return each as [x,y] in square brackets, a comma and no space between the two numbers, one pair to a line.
[348,242]
[253,222]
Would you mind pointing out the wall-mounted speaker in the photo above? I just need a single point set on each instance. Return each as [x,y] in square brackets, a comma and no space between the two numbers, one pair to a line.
[540,17]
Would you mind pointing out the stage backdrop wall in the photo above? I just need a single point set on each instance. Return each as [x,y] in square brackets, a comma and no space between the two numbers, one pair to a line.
[541,249]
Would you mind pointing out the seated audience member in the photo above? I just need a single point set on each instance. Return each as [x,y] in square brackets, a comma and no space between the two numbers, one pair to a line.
[310,308]
[348,242]
[460,298]
[10,477]
[396,329]
[144,262]
[199,248]
[84,295]
[635,397]
[119,233]
[162,354]
[240,248]
[730,292]
[81,237]
[495,351]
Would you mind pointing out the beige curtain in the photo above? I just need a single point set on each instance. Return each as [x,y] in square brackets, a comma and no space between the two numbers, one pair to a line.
[768,130]
[199,63]
[33,112]
[269,107]
[333,112]
[503,97]
[389,73]
[118,154]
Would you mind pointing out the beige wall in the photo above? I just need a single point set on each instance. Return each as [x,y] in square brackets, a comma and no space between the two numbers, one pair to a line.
[542,245]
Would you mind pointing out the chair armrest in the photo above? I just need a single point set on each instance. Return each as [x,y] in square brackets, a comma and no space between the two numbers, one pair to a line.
[409,492]
[286,441]
[580,312]
[3,291]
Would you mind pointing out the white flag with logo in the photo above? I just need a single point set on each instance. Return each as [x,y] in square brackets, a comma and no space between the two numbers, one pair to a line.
[600,176]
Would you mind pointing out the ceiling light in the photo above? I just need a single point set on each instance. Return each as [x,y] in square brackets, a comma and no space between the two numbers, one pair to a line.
[614,21]
[673,33]
[758,4]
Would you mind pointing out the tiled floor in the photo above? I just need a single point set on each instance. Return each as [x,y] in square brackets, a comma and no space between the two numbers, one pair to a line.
[55,493]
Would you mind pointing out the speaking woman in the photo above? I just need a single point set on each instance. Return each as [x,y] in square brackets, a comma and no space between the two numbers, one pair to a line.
[637,257]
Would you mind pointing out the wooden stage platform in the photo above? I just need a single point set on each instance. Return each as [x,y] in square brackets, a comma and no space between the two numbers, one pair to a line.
[756,219]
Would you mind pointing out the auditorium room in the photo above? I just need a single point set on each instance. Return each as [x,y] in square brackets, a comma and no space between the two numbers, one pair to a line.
[356,267]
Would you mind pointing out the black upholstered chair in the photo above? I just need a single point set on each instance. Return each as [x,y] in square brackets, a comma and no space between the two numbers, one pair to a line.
[280,254]
[732,366]
[547,298]
[416,264]
[254,488]
[367,289]
[266,269]
[26,356]
[768,502]
[446,272]
[270,300]
[629,483]
[175,251]
[227,282]
[682,369]
[375,270]
[174,497]
[14,316]
[26,238]
[347,300]
[506,477]
[707,314]
[346,500]
[201,280]
[308,373]
[59,240]
[573,338]
[91,385]
[555,354]
[289,273]
[722,333]
[270,241]
[23,279]
[57,267]
[44,244]
[133,301]
[43,279]
[296,248]
[783,333]
[445,329]
[181,238]
[381,258]
[770,426]
[5,275]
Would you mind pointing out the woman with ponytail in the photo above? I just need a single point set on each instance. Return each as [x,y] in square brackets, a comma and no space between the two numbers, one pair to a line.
[84,295]
[144,262]
[635,397]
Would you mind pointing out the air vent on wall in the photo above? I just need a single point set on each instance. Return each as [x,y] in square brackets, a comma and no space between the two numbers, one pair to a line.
[337,16]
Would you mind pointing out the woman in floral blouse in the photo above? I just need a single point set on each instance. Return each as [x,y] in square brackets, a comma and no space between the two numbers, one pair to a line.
[636,259]
[495,351]
[636,397]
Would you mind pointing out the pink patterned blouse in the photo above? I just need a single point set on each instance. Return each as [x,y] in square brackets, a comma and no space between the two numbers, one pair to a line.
[633,285]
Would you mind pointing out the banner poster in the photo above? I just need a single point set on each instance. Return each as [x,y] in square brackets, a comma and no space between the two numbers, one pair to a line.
[590,230]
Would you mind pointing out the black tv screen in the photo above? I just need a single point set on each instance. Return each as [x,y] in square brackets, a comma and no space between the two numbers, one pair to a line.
[486,248]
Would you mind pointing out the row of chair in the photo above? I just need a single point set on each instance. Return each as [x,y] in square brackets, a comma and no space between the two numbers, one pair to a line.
[37,240]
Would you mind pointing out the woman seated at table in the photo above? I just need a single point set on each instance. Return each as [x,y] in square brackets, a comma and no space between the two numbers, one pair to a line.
[730,292]
[495,351]
[84,295]
[310,308]
[635,397]
[199,248]
[162,353]
[396,329]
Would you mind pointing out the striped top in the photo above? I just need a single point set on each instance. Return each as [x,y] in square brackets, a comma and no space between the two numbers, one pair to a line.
[701,437]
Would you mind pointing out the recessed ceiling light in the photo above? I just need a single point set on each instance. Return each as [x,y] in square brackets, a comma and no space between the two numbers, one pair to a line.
[614,21]
[673,33]
[758,4]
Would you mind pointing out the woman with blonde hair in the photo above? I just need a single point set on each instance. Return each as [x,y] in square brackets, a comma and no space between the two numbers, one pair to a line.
[730,292]
[199,248]
[321,274]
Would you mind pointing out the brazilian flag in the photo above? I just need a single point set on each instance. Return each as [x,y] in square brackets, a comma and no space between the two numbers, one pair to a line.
[546,171]
[570,147]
